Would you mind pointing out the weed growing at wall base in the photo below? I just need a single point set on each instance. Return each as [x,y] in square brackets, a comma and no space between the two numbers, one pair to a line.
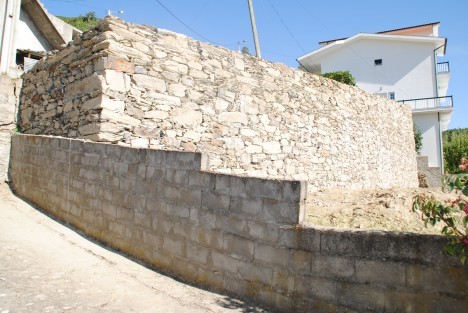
[454,214]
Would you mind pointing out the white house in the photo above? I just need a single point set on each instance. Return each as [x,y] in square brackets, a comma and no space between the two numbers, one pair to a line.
[399,64]
[28,31]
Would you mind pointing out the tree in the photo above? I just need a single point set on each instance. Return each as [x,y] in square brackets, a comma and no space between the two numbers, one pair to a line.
[344,77]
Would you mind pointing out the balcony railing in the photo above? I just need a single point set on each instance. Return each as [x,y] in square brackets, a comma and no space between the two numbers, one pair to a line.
[429,103]
[443,67]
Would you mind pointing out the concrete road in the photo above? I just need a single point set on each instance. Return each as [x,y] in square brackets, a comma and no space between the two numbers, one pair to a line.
[47,267]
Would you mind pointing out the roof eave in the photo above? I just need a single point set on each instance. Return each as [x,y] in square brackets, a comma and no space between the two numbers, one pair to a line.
[335,44]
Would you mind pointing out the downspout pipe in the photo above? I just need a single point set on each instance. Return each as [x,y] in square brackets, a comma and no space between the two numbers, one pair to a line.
[441,155]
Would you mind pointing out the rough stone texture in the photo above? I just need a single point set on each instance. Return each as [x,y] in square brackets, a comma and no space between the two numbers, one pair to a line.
[234,234]
[432,175]
[7,121]
[154,88]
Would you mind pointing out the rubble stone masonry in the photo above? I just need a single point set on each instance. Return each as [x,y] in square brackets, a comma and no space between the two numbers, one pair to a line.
[150,88]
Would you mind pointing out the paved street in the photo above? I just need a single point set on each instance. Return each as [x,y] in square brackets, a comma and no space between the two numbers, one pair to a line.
[47,267]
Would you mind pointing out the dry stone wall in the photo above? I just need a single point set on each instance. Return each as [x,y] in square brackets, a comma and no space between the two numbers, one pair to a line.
[234,234]
[144,87]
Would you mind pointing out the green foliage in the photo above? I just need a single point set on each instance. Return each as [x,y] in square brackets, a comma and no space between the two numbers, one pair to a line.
[455,142]
[82,22]
[417,139]
[341,76]
[454,214]
[245,50]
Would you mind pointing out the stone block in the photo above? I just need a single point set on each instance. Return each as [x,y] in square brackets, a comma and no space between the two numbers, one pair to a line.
[225,262]
[117,81]
[82,87]
[333,267]
[300,237]
[178,210]
[149,82]
[271,255]
[256,273]
[249,207]
[103,101]
[233,117]
[238,247]
[271,147]
[186,117]
[274,211]
[231,224]
[209,238]
[316,288]
[89,129]
[381,273]
[197,253]
[435,279]
[159,115]
[360,297]
[215,202]
[189,197]
[117,118]
[173,247]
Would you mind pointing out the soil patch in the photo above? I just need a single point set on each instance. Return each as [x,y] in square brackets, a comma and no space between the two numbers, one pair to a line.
[384,209]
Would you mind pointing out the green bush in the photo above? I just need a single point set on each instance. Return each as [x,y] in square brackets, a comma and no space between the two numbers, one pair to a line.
[455,142]
[417,139]
[83,23]
[344,77]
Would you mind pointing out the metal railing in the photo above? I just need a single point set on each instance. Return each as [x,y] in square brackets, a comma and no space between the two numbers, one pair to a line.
[429,103]
[443,67]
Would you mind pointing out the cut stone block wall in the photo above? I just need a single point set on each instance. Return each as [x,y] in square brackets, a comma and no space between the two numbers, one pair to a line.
[233,234]
[145,87]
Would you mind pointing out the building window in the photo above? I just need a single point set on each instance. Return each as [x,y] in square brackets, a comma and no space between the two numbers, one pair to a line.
[391,95]
[377,62]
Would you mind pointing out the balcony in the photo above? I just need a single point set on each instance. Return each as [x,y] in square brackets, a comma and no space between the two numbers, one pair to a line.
[429,104]
[443,67]
[443,77]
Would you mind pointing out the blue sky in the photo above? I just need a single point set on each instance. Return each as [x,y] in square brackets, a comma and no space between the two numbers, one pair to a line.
[290,28]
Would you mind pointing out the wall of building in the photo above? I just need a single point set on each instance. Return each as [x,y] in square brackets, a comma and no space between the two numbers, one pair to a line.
[141,87]
[429,125]
[9,15]
[407,68]
[8,103]
[232,234]
[28,36]
[432,175]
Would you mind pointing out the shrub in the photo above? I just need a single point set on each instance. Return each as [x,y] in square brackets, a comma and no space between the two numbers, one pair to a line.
[454,214]
[417,139]
[83,23]
[455,142]
[344,77]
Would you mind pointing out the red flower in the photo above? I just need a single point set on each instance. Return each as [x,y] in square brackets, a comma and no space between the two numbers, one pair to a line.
[465,208]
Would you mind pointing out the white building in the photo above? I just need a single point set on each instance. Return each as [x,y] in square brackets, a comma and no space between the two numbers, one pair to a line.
[400,64]
[28,31]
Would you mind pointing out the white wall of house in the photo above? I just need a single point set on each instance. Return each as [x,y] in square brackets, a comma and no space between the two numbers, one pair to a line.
[428,124]
[407,67]
[28,37]
[9,13]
